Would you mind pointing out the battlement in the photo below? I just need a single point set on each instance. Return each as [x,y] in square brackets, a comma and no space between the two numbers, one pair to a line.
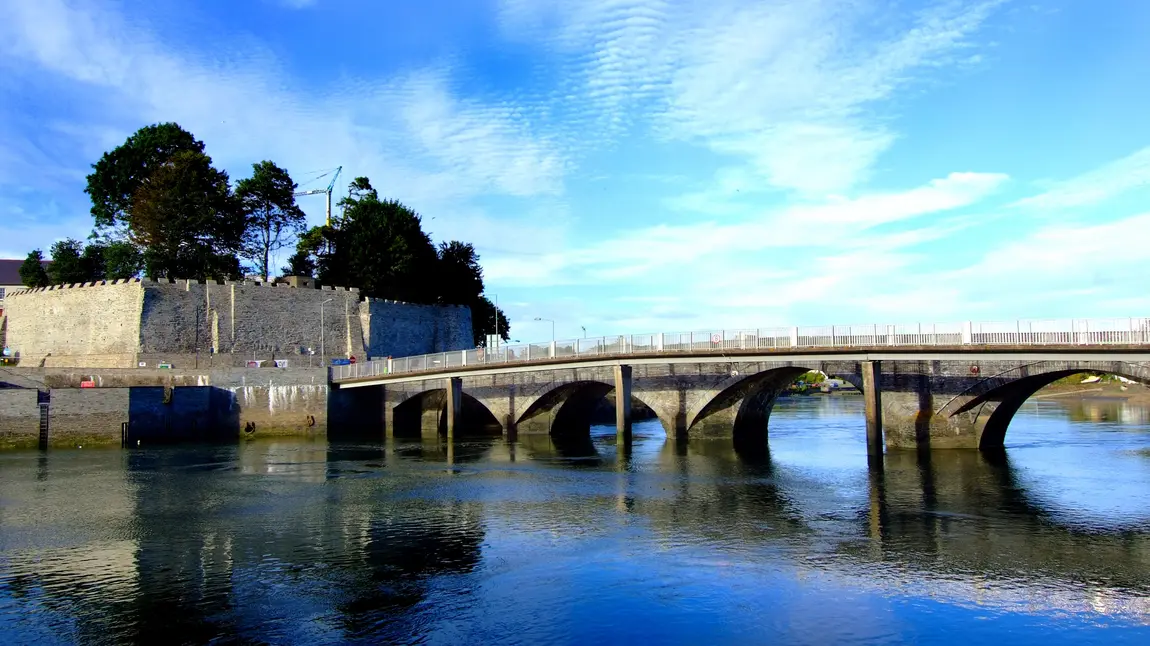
[388,301]
[125,323]
[184,283]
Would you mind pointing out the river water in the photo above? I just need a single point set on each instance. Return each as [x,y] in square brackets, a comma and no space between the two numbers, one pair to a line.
[299,542]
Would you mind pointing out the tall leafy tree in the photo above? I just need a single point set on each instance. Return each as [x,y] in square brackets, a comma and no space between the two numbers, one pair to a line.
[75,262]
[32,272]
[94,262]
[380,246]
[484,315]
[67,264]
[267,200]
[460,278]
[186,220]
[300,263]
[118,176]
[121,260]
[460,282]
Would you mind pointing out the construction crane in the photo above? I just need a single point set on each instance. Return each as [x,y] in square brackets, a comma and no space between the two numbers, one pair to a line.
[328,190]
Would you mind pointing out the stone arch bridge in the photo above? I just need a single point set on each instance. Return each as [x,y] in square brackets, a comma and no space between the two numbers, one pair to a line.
[959,396]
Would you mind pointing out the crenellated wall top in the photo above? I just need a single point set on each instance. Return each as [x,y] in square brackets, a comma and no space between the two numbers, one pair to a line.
[157,282]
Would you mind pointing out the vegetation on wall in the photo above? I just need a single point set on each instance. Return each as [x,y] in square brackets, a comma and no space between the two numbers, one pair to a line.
[161,208]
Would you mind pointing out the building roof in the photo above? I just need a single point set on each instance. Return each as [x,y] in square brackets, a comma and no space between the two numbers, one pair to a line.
[10,271]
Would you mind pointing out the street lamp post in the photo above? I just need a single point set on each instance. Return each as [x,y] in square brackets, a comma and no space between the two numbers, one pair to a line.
[322,353]
[584,328]
[552,333]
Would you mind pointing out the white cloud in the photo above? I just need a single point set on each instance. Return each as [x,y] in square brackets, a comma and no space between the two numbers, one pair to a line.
[1118,177]
[785,86]
[410,134]
[652,252]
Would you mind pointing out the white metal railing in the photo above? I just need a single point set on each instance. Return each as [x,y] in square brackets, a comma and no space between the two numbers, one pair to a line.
[1127,331]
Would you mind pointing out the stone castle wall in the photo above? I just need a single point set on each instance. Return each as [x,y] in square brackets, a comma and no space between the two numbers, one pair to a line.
[101,324]
[394,329]
[120,324]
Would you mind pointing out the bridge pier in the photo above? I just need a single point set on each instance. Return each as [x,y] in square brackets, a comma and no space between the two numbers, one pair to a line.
[388,417]
[454,405]
[872,396]
[623,404]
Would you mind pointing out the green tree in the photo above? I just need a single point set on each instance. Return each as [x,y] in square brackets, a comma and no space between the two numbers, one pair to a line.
[75,262]
[459,276]
[380,246]
[186,220]
[120,173]
[67,264]
[267,200]
[309,246]
[484,315]
[460,282]
[32,272]
[300,263]
[122,260]
[93,261]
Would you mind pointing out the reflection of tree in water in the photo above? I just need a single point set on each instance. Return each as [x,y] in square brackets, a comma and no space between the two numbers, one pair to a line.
[1105,409]
[399,557]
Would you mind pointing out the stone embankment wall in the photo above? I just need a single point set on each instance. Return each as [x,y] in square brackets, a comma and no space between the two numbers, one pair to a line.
[161,405]
[120,324]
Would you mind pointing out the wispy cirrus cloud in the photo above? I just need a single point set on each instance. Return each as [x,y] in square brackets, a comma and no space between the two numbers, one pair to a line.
[408,132]
[659,252]
[786,87]
[1111,180]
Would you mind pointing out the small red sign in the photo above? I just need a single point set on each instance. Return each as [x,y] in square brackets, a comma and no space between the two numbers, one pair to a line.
[87,384]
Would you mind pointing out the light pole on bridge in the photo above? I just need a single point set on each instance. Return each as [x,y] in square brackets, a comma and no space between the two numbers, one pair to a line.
[552,333]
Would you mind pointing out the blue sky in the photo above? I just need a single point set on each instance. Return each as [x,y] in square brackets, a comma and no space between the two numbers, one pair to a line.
[645,165]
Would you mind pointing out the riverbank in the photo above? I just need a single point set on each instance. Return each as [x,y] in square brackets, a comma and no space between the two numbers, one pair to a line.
[1133,394]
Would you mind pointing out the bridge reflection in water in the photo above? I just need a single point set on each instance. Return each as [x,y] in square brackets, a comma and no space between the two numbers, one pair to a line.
[310,542]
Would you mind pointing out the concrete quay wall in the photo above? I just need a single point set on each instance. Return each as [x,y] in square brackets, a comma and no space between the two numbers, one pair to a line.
[162,405]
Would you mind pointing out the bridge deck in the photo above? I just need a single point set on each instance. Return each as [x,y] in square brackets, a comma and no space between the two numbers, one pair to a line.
[375,372]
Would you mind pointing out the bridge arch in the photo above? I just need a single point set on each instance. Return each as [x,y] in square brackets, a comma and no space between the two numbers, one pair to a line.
[995,400]
[742,405]
[426,412]
[568,409]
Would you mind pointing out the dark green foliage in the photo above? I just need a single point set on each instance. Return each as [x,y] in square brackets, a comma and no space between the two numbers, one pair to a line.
[483,317]
[67,265]
[122,260]
[460,282]
[120,173]
[187,221]
[300,263]
[32,272]
[460,276]
[267,200]
[93,262]
[379,247]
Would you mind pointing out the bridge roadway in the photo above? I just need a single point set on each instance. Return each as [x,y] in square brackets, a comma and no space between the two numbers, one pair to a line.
[961,394]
